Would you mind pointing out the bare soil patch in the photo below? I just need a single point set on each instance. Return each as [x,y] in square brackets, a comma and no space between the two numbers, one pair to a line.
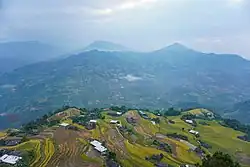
[243,158]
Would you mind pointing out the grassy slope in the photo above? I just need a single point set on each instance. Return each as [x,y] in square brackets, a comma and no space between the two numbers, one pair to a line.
[221,138]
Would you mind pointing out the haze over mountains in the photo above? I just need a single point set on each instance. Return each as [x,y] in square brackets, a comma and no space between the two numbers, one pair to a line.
[105,46]
[172,76]
[17,54]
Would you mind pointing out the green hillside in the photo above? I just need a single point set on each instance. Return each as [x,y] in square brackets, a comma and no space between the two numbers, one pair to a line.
[139,138]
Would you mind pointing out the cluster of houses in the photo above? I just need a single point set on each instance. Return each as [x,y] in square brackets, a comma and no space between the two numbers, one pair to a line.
[10,141]
[9,157]
[191,122]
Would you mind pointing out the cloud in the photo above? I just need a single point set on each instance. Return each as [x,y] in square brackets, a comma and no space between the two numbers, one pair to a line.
[142,24]
[135,3]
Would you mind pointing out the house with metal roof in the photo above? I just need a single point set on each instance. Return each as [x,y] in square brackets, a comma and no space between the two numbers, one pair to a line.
[193,132]
[98,146]
[64,124]
[10,159]
[93,121]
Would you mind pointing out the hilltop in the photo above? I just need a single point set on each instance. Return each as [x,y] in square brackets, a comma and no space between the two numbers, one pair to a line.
[105,46]
[132,137]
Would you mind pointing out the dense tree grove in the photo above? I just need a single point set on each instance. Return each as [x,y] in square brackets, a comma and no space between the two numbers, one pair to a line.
[219,159]
[172,112]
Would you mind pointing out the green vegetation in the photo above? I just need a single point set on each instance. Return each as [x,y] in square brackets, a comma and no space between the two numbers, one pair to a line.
[219,159]
[172,112]
[236,125]
[136,143]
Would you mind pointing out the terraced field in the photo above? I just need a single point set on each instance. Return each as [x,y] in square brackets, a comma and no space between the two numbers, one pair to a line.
[69,150]
[61,147]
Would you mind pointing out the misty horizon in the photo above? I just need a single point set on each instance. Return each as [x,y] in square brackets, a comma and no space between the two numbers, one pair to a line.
[218,26]
[84,48]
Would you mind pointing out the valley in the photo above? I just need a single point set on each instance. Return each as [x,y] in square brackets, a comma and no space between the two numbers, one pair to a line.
[174,76]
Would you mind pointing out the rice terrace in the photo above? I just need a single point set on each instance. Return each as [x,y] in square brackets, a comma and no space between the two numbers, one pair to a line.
[118,136]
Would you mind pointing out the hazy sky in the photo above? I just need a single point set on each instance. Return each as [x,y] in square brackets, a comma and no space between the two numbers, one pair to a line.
[206,25]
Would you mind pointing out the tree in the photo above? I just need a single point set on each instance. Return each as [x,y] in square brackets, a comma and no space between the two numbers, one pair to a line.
[219,159]
[172,112]
[24,139]
[111,155]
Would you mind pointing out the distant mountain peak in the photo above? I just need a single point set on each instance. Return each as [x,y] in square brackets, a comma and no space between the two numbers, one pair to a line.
[175,47]
[105,46]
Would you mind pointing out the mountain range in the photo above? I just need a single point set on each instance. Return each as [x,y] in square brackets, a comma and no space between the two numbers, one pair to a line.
[172,76]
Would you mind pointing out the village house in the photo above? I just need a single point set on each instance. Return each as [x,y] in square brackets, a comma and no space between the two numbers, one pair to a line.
[143,115]
[193,132]
[189,121]
[64,124]
[114,122]
[93,121]
[10,159]
[91,125]
[119,113]
[98,146]
[153,122]
[115,114]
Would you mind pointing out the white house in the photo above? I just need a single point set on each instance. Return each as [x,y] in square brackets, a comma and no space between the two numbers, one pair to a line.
[98,146]
[64,124]
[119,113]
[193,132]
[141,112]
[93,121]
[189,121]
[114,121]
[153,122]
[10,159]
[95,143]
